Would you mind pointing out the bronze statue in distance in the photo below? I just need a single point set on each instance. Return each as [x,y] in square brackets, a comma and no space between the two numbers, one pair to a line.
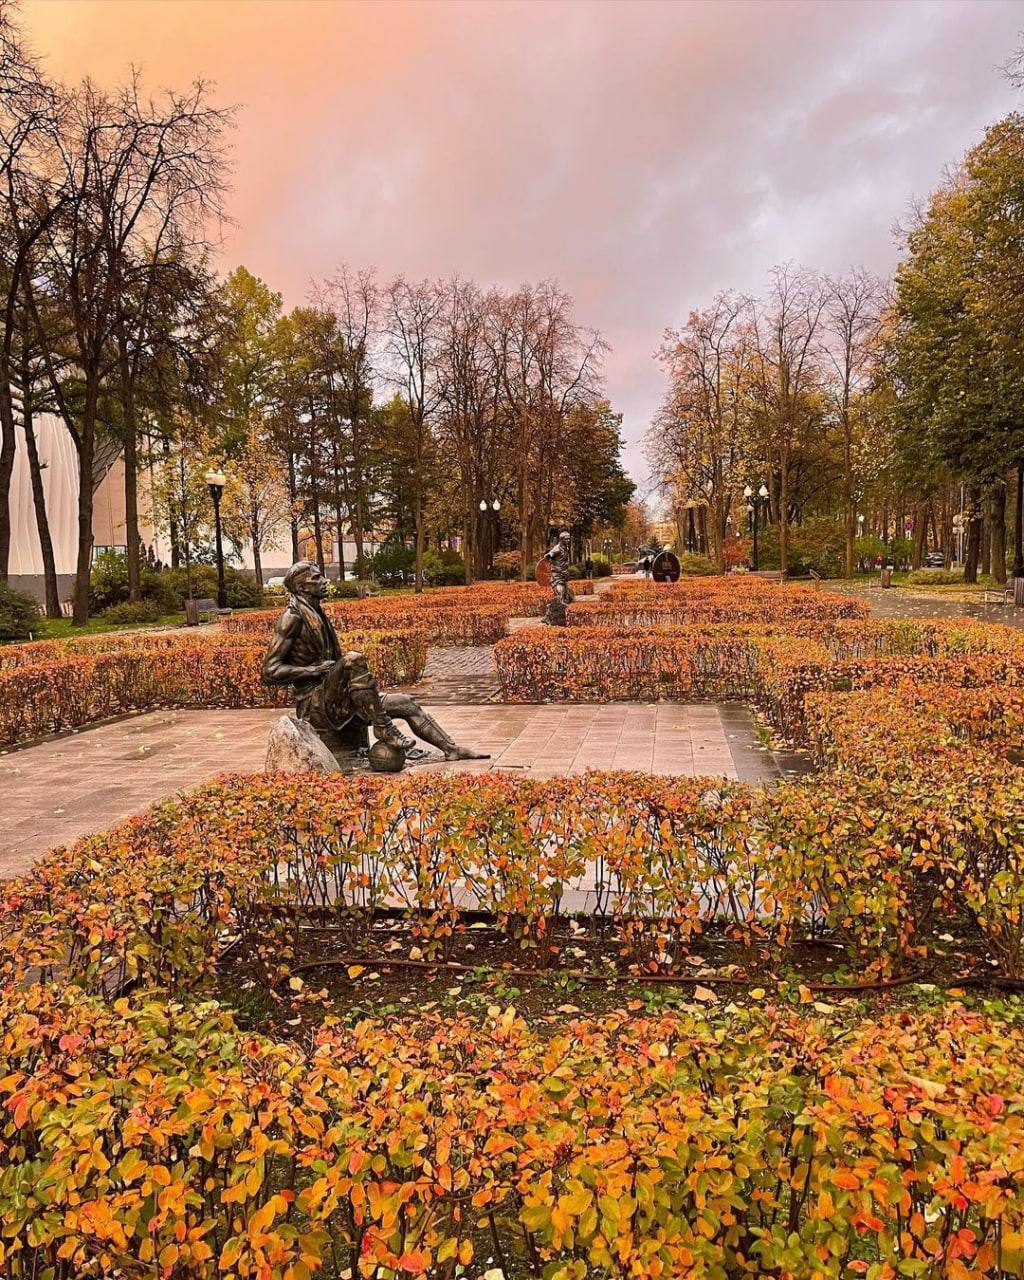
[558,558]
[335,692]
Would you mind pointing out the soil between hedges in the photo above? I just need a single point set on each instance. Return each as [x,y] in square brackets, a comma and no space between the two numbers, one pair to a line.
[578,972]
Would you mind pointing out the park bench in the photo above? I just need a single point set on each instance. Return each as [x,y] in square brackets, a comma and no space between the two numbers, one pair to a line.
[195,609]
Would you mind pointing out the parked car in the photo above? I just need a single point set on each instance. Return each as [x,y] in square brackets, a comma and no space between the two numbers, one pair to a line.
[933,560]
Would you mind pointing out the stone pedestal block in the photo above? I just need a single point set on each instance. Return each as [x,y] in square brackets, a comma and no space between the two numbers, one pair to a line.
[294,747]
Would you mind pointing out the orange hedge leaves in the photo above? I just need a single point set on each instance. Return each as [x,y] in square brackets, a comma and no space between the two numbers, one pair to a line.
[475,615]
[48,686]
[708,600]
[868,862]
[773,662]
[150,1138]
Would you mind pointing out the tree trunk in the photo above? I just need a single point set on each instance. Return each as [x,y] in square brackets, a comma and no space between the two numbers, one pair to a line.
[293,503]
[418,520]
[257,562]
[83,563]
[39,500]
[357,467]
[131,474]
[998,535]
[986,535]
[6,472]
[920,533]
[524,523]
[973,555]
[1018,524]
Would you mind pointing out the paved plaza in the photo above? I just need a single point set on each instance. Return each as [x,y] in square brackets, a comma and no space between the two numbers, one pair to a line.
[904,602]
[85,782]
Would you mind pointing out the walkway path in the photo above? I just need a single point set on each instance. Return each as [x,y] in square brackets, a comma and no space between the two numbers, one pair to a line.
[85,782]
[900,602]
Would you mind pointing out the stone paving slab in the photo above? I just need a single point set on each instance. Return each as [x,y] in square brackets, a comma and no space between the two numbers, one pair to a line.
[85,782]
[904,602]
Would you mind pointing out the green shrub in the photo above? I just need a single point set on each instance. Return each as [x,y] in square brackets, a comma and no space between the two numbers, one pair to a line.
[816,544]
[444,568]
[868,548]
[935,577]
[696,566]
[19,614]
[602,566]
[344,591]
[108,584]
[242,590]
[393,565]
[129,611]
[900,551]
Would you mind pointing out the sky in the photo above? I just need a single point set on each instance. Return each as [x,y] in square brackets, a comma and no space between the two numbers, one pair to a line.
[645,154]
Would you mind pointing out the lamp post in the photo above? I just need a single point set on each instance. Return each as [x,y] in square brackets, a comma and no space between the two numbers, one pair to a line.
[490,509]
[215,480]
[754,501]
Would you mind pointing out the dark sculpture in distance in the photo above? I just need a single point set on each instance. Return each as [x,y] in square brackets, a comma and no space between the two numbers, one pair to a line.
[557,557]
[666,567]
[335,692]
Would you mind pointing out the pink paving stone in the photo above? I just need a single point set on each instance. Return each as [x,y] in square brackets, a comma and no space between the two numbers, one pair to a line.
[59,790]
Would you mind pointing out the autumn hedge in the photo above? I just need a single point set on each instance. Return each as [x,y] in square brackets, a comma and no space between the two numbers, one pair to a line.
[150,1134]
[774,662]
[838,856]
[476,615]
[735,599]
[148,1138]
[50,686]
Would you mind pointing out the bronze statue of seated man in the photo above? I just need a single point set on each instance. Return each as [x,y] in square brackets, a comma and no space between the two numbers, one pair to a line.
[336,692]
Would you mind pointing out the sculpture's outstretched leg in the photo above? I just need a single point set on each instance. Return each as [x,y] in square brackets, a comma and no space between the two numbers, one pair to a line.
[402,707]
[352,673]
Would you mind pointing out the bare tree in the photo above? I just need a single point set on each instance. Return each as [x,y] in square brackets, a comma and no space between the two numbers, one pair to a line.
[852,322]
[787,336]
[549,364]
[354,297]
[124,161]
[697,441]
[474,424]
[30,119]
[413,327]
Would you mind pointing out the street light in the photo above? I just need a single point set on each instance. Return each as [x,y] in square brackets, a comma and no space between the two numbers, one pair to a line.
[216,480]
[754,501]
[492,507]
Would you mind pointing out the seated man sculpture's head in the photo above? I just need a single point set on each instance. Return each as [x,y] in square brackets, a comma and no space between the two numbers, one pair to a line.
[565,536]
[305,579]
